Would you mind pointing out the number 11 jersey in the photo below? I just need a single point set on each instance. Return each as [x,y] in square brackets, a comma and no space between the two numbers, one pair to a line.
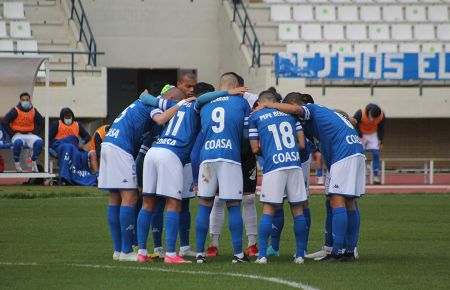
[223,121]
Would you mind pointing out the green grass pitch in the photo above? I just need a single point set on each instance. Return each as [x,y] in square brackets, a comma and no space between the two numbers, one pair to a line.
[58,238]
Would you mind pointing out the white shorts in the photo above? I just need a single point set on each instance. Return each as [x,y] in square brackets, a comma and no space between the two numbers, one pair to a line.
[27,139]
[283,183]
[347,177]
[117,169]
[306,168]
[224,175]
[370,141]
[163,174]
[188,189]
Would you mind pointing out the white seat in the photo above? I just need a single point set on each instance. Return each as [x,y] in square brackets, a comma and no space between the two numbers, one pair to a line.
[415,13]
[298,47]
[303,13]
[333,32]
[370,13]
[288,31]
[342,1]
[6,45]
[407,1]
[432,47]
[27,45]
[296,1]
[274,1]
[438,13]
[20,29]
[13,10]
[401,32]
[379,32]
[341,48]
[443,31]
[3,33]
[363,1]
[280,13]
[409,47]
[364,48]
[385,1]
[393,13]
[347,13]
[356,32]
[319,47]
[311,32]
[318,1]
[424,32]
[386,47]
[325,13]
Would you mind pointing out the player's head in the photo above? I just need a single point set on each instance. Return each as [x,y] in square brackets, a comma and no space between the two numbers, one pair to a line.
[186,83]
[174,94]
[202,88]
[267,97]
[228,81]
[240,79]
[279,97]
[373,111]
[25,100]
[307,99]
[67,116]
[294,98]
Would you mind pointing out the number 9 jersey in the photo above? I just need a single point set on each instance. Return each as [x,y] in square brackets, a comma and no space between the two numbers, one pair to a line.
[223,122]
[277,133]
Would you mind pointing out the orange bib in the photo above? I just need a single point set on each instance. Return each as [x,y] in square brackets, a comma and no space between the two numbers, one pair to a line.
[367,126]
[66,131]
[24,121]
[101,132]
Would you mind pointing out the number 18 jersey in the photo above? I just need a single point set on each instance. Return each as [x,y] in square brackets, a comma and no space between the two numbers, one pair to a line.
[277,133]
[223,122]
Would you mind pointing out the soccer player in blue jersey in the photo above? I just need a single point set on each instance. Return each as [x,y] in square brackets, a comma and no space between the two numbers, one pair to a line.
[275,136]
[163,169]
[118,171]
[343,152]
[222,123]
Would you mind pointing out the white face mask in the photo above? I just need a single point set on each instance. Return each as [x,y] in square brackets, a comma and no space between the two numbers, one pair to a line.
[68,122]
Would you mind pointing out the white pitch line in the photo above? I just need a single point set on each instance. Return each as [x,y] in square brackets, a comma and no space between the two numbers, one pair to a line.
[275,280]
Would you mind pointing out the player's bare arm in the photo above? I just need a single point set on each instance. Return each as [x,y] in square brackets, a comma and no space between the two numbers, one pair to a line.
[285,108]
[165,117]
[254,144]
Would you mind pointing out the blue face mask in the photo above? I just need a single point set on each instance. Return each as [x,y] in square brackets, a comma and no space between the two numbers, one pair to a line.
[26,105]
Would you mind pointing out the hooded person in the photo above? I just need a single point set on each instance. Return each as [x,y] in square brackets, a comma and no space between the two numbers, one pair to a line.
[66,126]
[23,123]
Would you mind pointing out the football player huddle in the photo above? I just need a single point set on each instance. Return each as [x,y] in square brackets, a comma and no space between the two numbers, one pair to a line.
[195,141]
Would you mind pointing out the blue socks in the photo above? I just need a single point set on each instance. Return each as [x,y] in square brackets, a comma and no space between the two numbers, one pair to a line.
[114,226]
[143,227]
[202,226]
[339,229]
[158,222]
[17,148]
[376,161]
[127,228]
[37,149]
[307,214]
[235,225]
[319,172]
[172,224]
[351,238]
[277,227]
[185,223]
[264,230]
[329,225]
[300,235]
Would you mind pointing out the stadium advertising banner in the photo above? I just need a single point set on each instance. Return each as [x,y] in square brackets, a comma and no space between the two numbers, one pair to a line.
[364,66]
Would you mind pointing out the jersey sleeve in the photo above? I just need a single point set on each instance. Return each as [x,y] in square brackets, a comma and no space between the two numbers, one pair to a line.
[308,109]
[298,126]
[253,133]
[166,104]
[154,112]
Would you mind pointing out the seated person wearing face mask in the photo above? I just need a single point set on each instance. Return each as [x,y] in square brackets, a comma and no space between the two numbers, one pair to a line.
[23,124]
[68,126]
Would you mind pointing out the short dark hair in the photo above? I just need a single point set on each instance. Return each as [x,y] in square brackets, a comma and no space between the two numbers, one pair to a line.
[186,74]
[268,96]
[375,110]
[202,88]
[24,94]
[307,99]
[279,97]
[294,98]
[240,79]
